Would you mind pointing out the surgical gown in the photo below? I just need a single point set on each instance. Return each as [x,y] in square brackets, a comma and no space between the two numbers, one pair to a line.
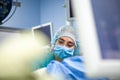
[71,68]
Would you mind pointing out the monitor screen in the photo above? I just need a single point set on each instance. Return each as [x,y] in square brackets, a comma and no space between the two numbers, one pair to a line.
[46,29]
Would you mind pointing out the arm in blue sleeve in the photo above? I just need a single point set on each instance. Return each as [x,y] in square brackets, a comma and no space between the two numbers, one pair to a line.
[70,69]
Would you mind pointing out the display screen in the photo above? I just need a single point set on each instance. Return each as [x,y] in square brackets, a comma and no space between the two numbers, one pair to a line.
[46,30]
[107,19]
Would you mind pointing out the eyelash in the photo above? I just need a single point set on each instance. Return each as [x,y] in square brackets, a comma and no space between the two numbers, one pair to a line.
[69,45]
[61,41]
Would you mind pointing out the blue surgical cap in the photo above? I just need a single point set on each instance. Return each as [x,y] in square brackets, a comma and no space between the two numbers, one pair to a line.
[68,31]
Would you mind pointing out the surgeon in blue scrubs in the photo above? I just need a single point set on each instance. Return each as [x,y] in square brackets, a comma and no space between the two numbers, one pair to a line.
[64,58]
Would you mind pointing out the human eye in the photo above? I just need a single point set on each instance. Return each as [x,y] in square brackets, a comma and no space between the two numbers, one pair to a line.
[70,44]
[60,41]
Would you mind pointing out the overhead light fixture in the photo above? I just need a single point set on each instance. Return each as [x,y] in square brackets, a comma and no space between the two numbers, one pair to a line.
[5,8]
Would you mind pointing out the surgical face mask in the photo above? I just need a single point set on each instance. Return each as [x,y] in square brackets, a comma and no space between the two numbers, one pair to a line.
[62,51]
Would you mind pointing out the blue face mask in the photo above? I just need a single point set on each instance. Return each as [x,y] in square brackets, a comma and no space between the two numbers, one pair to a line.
[63,52]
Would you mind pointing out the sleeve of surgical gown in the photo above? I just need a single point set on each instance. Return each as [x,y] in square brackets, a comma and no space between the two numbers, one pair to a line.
[71,68]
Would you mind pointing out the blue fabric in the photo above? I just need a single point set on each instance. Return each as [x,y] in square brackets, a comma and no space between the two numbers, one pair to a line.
[99,79]
[63,52]
[71,68]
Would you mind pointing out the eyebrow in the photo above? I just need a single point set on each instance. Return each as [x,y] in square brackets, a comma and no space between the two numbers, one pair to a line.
[61,39]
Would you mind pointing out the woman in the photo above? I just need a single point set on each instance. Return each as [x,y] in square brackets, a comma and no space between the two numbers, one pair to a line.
[64,59]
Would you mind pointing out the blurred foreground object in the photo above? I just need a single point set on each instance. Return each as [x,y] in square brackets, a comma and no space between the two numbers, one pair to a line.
[99,35]
[42,74]
[16,55]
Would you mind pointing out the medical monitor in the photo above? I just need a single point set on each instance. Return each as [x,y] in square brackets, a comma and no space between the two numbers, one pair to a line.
[99,34]
[46,29]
